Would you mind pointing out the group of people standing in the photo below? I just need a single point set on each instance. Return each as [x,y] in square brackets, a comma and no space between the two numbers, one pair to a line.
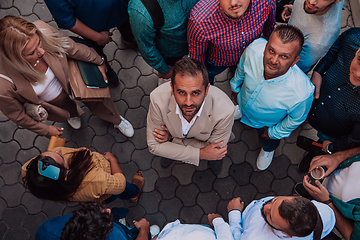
[189,119]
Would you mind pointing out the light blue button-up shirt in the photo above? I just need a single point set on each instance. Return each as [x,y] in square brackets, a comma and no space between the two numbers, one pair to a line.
[250,225]
[280,103]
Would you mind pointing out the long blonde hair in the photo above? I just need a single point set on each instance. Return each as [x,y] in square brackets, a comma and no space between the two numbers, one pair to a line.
[15,33]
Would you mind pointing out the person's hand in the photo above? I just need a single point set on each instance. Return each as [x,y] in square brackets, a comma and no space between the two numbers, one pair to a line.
[162,135]
[266,133]
[234,95]
[286,13]
[325,144]
[104,38]
[143,225]
[211,217]
[329,161]
[213,151]
[109,156]
[235,203]
[316,79]
[85,148]
[166,75]
[103,70]
[54,131]
[318,192]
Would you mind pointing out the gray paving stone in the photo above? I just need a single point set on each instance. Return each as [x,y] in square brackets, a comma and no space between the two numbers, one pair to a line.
[129,170]
[226,163]
[237,129]
[14,217]
[204,180]
[294,153]
[237,152]
[187,194]
[225,187]
[167,186]
[203,165]
[110,48]
[267,194]
[3,229]
[262,180]
[310,133]
[42,11]
[129,77]
[295,174]
[293,137]
[25,138]
[6,4]
[7,130]
[150,201]
[250,137]
[279,166]
[246,193]
[171,208]
[143,159]
[136,212]
[52,208]
[70,210]
[151,176]
[31,203]
[133,96]
[12,194]
[25,155]
[99,126]
[283,187]
[158,218]
[241,173]
[25,6]
[137,117]
[142,66]
[103,143]
[145,102]
[16,234]
[116,92]
[208,201]
[2,208]
[251,157]
[33,222]
[222,209]
[148,83]
[191,214]
[279,149]
[163,172]
[122,106]
[123,151]
[83,136]
[204,220]
[42,143]
[10,11]
[183,172]
[126,57]
[10,172]
[139,139]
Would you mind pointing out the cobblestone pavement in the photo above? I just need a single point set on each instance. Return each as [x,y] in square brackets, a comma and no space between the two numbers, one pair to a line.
[181,191]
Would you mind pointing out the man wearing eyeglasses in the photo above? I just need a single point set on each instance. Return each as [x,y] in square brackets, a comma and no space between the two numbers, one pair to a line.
[279,217]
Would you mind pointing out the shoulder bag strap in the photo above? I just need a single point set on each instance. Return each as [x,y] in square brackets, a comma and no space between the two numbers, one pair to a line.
[155,12]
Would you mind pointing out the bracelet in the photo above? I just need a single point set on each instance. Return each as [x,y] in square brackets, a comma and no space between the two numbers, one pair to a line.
[327,149]
[327,202]
[102,61]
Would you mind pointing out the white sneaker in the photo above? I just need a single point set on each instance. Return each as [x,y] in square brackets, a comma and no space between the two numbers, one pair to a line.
[75,122]
[264,159]
[154,231]
[125,127]
[237,113]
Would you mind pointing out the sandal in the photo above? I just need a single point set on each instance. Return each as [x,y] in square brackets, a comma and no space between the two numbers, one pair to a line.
[138,180]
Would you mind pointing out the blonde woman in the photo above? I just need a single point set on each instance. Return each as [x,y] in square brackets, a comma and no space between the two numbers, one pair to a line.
[34,69]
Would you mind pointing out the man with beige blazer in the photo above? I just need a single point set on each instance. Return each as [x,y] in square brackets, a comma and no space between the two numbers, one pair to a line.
[188,119]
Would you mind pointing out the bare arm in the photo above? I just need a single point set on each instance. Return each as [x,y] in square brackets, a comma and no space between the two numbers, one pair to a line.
[114,165]
[144,229]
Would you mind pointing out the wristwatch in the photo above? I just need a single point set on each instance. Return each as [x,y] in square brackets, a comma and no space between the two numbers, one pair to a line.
[327,149]
[102,61]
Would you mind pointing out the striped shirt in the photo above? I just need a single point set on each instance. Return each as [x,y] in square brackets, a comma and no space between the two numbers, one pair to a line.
[220,39]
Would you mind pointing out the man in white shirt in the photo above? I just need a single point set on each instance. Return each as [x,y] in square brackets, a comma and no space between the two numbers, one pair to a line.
[188,119]
[274,218]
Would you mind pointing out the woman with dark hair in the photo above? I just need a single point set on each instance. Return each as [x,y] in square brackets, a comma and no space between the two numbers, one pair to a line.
[34,69]
[79,175]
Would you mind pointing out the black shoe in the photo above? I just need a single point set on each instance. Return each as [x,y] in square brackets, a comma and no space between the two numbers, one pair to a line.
[301,191]
[112,77]
[165,162]
[215,166]
[304,165]
[309,145]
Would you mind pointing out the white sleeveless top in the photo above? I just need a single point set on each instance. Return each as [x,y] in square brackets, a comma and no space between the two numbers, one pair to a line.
[49,89]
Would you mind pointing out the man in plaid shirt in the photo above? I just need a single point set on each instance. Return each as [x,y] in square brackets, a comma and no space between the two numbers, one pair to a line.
[219,30]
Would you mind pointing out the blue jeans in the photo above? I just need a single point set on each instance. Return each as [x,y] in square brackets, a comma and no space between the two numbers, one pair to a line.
[267,144]
[215,70]
[130,191]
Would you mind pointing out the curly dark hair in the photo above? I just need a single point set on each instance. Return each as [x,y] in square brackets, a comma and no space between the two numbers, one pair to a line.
[301,215]
[68,182]
[90,222]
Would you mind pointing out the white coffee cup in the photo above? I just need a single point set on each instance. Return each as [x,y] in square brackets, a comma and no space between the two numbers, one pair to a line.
[318,173]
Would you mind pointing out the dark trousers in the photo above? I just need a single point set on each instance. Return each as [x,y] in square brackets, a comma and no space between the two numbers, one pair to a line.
[215,70]
[130,191]
[267,144]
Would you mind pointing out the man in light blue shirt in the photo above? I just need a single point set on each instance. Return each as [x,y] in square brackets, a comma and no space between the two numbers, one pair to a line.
[274,95]
[282,217]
